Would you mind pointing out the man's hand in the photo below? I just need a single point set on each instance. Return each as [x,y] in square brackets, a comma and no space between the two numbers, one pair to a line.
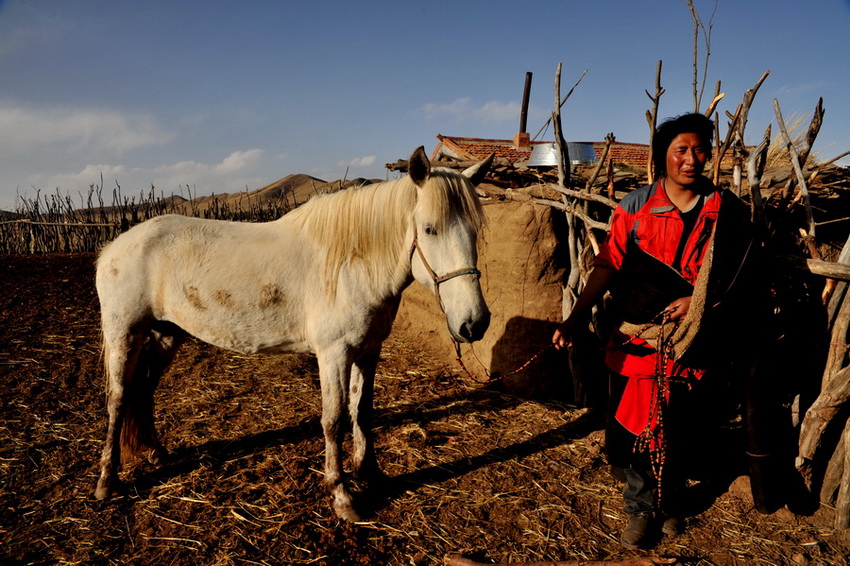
[678,308]
[563,334]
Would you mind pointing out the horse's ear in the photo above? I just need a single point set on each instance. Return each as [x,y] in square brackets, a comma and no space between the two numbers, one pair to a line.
[419,167]
[477,172]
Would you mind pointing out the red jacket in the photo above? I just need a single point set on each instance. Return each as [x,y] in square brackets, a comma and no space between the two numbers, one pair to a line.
[649,219]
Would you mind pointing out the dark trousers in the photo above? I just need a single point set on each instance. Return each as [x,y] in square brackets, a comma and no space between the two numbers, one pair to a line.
[689,419]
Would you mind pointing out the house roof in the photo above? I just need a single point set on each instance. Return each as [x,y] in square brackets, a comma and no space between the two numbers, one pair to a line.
[464,149]
[509,153]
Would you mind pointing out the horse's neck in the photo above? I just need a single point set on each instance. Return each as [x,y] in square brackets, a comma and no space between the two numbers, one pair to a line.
[367,229]
[400,198]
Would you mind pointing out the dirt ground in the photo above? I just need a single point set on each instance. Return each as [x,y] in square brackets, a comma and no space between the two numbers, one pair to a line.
[475,472]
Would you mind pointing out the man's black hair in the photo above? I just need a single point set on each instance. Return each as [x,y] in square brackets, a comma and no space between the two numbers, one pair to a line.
[669,129]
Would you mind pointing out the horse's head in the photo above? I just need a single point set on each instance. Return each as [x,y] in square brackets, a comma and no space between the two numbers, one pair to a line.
[446,222]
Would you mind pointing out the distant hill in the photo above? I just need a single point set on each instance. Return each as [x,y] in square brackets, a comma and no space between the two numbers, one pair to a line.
[293,189]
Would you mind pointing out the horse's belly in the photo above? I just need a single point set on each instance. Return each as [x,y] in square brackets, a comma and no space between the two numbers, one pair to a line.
[246,340]
[248,331]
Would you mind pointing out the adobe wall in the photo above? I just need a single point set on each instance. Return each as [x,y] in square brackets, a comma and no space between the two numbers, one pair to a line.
[522,267]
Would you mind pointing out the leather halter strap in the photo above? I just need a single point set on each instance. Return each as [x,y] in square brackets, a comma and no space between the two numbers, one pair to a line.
[415,247]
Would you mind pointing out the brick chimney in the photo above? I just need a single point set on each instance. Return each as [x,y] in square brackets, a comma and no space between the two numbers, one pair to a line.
[522,140]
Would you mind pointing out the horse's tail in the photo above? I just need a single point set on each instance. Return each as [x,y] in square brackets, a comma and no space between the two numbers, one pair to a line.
[139,431]
[135,404]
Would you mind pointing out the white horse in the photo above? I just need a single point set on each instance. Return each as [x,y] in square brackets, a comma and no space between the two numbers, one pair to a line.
[325,278]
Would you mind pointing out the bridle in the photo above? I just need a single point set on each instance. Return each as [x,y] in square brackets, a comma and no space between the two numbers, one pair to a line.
[437,279]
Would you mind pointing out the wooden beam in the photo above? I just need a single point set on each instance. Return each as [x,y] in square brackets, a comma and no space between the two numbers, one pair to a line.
[818,267]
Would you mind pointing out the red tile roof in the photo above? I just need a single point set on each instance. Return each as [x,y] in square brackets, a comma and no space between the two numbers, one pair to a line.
[633,154]
[478,148]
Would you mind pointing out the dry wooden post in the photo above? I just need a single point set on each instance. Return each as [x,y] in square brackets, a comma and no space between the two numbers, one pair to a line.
[603,160]
[573,287]
[560,103]
[834,474]
[611,194]
[652,119]
[842,503]
[838,343]
[718,96]
[818,418]
[724,147]
[837,289]
[755,169]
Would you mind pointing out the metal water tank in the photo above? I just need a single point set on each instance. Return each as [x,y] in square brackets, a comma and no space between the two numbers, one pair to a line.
[546,154]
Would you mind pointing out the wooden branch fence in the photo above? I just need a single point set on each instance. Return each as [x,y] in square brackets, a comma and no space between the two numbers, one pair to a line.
[54,223]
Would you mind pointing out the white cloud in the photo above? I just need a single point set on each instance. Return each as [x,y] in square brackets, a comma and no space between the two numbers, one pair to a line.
[237,171]
[458,109]
[239,160]
[365,161]
[498,112]
[463,109]
[74,129]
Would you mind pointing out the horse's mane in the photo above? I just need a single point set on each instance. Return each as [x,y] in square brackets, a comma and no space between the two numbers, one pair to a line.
[367,225]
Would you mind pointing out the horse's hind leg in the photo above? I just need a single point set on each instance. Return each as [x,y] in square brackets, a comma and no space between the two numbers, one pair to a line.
[334,375]
[120,357]
[361,407]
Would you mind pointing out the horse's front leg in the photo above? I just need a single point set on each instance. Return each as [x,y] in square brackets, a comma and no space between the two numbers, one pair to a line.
[361,407]
[334,374]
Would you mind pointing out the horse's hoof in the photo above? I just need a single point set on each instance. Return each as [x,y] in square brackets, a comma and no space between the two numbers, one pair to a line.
[103,492]
[106,489]
[158,456]
[346,512]
[343,505]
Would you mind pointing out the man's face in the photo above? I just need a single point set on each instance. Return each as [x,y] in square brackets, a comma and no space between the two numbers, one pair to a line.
[687,155]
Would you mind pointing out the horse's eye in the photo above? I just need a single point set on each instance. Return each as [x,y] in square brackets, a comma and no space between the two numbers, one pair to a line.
[430,230]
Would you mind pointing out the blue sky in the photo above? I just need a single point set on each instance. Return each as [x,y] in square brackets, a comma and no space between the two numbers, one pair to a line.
[223,96]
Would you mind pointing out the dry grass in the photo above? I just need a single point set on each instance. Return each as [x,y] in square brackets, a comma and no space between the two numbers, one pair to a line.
[778,154]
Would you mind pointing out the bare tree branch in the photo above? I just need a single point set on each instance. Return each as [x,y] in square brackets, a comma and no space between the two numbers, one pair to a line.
[571,211]
[652,119]
[755,169]
[706,35]
[834,159]
[798,169]
[562,102]
[603,159]
[584,195]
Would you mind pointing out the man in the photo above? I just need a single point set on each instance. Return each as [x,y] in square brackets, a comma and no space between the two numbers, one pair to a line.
[664,229]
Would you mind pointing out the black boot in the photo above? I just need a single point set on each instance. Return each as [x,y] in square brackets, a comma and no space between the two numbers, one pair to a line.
[635,533]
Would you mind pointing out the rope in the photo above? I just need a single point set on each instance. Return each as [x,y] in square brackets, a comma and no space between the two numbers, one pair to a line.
[496,377]
[652,439]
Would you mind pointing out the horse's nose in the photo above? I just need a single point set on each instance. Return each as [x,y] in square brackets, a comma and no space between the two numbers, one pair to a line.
[473,330]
